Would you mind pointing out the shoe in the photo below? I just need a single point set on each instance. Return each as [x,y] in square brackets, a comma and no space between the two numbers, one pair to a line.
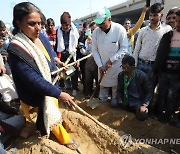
[72,145]
[74,92]
[103,100]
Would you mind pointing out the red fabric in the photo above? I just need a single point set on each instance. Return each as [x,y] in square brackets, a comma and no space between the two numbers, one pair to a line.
[52,37]
[59,55]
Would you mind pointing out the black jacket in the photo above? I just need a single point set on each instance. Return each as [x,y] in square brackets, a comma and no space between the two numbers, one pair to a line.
[143,85]
[162,52]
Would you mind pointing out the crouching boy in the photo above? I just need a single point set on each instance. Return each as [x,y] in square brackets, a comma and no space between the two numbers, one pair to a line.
[134,90]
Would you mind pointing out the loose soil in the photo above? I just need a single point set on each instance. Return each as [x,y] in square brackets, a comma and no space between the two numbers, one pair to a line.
[95,140]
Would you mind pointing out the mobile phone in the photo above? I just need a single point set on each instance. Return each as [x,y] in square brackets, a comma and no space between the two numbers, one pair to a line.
[148,3]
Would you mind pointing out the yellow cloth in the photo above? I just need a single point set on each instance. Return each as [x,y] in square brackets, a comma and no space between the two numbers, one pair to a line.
[61,134]
[46,53]
[26,108]
[133,30]
[59,131]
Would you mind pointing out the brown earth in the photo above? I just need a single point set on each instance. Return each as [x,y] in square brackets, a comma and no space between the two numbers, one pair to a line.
[95,140]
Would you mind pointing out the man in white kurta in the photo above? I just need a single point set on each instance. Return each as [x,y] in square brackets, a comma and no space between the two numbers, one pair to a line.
[109,45]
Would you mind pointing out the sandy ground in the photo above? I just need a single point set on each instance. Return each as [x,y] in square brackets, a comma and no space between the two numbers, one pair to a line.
[95,140]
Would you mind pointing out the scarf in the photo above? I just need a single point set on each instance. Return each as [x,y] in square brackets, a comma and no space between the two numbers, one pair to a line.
[52,116]
[73,40]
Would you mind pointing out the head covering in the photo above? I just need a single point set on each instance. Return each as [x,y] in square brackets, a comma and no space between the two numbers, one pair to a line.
[88,32]
[102,15]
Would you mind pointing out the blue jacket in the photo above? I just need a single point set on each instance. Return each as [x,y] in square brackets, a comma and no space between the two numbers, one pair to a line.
[31,86]
[144,88]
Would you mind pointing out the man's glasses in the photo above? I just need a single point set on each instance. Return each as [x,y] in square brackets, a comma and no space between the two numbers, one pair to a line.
[126,67]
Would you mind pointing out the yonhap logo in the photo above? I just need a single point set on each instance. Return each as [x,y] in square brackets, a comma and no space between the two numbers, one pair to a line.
[126,140]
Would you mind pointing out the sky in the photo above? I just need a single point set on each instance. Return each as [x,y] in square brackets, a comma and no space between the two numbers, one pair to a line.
[54,8]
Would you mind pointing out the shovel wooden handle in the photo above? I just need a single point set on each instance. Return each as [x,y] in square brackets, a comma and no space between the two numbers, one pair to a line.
[88,115]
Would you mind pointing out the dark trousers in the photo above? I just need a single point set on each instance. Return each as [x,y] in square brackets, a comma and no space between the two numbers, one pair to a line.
[148,69]
[82,69]
[168,93]
[74,78]
[91,74]
[135,109]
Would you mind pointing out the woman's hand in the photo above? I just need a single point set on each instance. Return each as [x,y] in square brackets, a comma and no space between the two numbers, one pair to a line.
[66,99]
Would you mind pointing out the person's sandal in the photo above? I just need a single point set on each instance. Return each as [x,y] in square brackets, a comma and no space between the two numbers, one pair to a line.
[73,146]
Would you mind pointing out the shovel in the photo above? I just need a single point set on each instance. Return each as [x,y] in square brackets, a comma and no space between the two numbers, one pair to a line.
[94,103]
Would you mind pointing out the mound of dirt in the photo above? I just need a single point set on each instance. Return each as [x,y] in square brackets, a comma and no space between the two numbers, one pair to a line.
[94,139]
[91,137]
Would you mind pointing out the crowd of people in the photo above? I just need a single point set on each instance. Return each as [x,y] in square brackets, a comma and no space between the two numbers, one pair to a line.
[129,70]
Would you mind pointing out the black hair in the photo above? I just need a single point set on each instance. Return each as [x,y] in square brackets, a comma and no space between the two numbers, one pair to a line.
[127,19]
[156,8]
[178,12]
[92,24]
[2,24]
[43,19]
[65,18]
[85,25]
[20,11]
[50,21]
[2,38]
[172,11]
[128,60]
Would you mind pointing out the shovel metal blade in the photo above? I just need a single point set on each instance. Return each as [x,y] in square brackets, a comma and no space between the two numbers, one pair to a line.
[94,103]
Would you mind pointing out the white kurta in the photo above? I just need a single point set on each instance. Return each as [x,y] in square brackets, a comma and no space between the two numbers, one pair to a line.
[111,46]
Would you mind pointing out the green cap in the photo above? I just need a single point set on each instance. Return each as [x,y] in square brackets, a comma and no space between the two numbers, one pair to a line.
[88,32]
[102,15]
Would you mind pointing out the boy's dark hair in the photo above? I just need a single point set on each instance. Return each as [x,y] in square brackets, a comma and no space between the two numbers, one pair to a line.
[178,12]
[156,8]
[128,60]
[65,18]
